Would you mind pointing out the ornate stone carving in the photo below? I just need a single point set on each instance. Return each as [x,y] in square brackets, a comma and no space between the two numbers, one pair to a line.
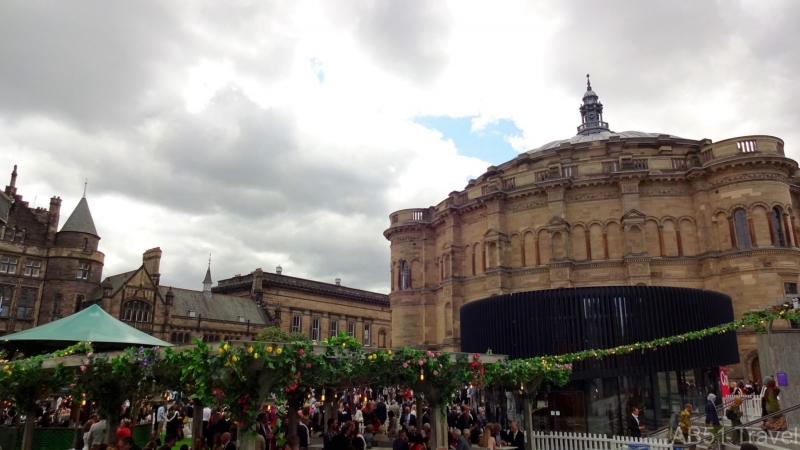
[591,194]
[536,202]
[748,177]
[657,190]
[560,275]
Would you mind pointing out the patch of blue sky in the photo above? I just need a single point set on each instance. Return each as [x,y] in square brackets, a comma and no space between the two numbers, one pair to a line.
[316,66]
[489,143]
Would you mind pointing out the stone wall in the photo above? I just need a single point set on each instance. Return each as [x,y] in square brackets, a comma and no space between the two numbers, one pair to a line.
[777,352]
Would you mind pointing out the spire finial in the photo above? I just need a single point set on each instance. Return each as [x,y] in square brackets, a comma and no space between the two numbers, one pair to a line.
[209,260]
[588,83]
[85,183]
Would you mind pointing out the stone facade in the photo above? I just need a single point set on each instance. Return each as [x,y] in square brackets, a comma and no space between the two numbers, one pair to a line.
[47,274]
[44,274]
[600,209]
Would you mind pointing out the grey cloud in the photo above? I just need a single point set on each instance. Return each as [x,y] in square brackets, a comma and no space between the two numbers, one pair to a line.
[406,37]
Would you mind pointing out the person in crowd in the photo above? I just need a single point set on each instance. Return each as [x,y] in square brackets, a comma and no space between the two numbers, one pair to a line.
[172,421]
[341,440]
[463,441]
[734,388]
[169,442]
[712,419]
[124,429]
[126,443]
[97,434]
[771,405]
[391,428]
[465,420]
[199,444]
[344,413]
[302,432]
[452,417]
[292,443]
[226,442]
[262,426]
[86,428]
[487,440]
[407,419]
[369,435]
[401,443]
[216,441]
[160,412]
[380,410]
[426,416]
[734,414]
[330,433]
[184,447]
[748,388]
[686,421]
[635,425]
[481,420]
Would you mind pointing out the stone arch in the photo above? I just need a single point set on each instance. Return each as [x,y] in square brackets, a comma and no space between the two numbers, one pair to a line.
[448,320]
[780,237]
[597,241]
[559,245]
[634,240]
[688,236]
[516,251]
[741,226]
[669,232]
[760,223]
[404,275]
[614,238]
[578,242]
[652,242]
[469,268]
[748,360]
[545,246]
[491,255]
[529,250]
[382,338]
[416,274]
[733,208]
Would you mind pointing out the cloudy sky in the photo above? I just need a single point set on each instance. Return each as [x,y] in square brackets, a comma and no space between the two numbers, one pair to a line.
[270,132]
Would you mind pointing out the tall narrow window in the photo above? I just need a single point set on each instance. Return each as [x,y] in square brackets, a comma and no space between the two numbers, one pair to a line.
[5,300]
[780,237]
[297,322]
[26,303]
[83,271]
[405,276]
[8,264]
[32,268]
[351,329]
[742,230]
[79,303]
[334,330]
[135,311]
[85,244]
[382,338]
[57,301]
[13,234]
[367,330]
[315,329]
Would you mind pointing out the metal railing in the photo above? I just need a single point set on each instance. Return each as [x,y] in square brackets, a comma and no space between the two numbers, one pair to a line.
[719,436]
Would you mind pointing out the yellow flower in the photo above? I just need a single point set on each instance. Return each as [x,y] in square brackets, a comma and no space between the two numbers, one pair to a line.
[226,346]
[249,349]
[388,352]
[221,350]
[279,350]
[227,364]
[233,358]
[255,355]
[269,349]
[5,368]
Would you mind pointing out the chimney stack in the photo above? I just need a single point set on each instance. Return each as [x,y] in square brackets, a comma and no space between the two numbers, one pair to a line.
[278,270]
[338,281]
[152,263]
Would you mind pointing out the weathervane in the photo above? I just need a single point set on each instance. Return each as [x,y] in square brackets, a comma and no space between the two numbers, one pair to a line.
[85,183]
[588,83]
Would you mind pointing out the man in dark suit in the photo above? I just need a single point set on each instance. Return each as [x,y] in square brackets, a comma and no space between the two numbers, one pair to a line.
[401,443]
[635,427]
[261,423]
[380,410]
[515,437]
[226,442]
[407,419]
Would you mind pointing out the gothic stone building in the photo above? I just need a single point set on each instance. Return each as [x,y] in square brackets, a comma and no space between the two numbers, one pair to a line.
[47,274]
[603,208]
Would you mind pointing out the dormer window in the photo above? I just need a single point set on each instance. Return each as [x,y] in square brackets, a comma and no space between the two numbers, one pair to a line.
[241,319]
[191,313]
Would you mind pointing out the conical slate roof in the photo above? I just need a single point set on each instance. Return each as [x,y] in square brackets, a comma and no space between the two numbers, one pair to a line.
[90,325]
[80,221]
[207,279]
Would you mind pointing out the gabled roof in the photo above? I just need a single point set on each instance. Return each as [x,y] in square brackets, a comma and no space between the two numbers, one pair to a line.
[216,307]
[80,221]
[117,281]
[90,325]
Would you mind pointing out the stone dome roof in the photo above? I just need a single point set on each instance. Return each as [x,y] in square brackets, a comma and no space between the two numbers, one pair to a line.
[600,136]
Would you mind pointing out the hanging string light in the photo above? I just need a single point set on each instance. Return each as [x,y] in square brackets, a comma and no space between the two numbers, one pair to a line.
[421,375]
[323,395]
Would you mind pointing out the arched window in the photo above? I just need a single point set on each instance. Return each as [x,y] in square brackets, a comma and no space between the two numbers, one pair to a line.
[778,236]
[382,338]
[136,311]
[13,234]
[405,276]
[742,229]
[173,338]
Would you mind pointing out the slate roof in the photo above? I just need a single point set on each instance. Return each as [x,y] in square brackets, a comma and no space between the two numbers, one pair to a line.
[217,307]
[80,221]
[117,281]
[601,136]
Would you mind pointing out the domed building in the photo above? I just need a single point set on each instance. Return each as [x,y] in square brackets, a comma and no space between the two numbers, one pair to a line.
[603,208]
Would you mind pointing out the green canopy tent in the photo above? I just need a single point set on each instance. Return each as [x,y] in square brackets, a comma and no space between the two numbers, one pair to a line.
[90,325]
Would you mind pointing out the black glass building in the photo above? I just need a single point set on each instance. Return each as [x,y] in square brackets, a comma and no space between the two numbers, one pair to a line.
[602,392]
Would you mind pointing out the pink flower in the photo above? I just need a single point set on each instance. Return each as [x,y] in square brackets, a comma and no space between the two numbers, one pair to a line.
[308,365]
[436,372]
[440,366]
[405,365]
[421,362]
[72,385]
[89,354]
[83,368]
[438,354]
[302,352]
[87,362]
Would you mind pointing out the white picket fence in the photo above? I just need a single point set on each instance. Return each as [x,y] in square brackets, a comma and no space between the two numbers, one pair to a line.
[751,406]
[583,441]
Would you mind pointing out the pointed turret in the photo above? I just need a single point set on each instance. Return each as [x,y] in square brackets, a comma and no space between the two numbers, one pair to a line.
[80,221]
[207,281]
[591,112]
